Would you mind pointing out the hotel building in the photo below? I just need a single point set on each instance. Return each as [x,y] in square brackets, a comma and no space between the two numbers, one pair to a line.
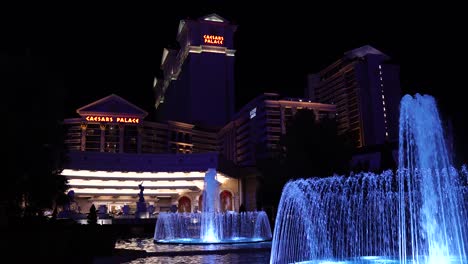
[112,149]
[256,129]
[198,82]
[365,88]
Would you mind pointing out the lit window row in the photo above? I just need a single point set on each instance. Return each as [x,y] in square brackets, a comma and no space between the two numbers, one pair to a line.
[383,100]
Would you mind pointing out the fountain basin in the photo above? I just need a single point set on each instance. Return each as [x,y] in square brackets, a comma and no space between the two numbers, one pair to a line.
[197,241]
[225,228]
[211,225]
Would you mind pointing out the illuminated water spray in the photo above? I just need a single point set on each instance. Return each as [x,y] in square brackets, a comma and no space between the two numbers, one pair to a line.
[212,226]
[432,209]
[417,216]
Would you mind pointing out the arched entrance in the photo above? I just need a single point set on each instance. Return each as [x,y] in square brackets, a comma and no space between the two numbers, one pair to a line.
[225,198]
[184,205]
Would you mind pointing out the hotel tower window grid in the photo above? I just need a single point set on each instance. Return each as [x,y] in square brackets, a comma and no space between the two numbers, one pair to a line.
[252,137]
[366,107]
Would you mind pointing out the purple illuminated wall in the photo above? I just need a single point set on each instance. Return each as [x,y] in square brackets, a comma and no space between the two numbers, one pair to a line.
[203,92]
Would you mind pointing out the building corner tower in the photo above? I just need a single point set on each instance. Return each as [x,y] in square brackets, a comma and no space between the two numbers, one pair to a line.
[197,86]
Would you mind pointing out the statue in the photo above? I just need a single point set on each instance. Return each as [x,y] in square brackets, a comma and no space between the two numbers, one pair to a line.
[142,211]
[142,198]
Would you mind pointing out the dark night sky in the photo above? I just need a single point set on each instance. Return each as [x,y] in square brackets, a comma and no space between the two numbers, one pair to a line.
[119,51]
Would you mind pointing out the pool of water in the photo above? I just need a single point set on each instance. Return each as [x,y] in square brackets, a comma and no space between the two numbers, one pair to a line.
[144,250]
[149,246]
[230,258]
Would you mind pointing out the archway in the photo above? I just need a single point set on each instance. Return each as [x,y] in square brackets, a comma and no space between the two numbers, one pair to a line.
[226,201]
[184,205]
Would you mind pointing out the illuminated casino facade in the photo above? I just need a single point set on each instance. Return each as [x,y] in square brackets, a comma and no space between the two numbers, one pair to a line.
[112,149]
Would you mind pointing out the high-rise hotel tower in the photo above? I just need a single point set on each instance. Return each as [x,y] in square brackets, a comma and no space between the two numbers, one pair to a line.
[365,88]
[198,82]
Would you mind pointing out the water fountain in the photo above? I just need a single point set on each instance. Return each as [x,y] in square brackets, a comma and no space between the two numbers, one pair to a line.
[212,226]
[432,210]
[417,215]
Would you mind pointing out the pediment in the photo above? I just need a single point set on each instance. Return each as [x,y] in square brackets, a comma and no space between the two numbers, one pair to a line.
[112,105]
[214,17]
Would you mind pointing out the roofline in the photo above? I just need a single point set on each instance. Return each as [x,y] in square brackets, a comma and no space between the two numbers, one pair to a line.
[80,110]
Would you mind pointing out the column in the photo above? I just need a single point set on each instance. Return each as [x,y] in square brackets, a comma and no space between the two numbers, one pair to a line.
[83,136]
[121,137]
[283,121]
[196,201]
[102,141]
[140,131]
[235,202]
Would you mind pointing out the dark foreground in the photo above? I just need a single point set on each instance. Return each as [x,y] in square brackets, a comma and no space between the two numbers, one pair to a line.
[63,241]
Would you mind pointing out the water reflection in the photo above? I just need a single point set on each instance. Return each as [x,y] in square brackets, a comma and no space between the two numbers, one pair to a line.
[148,245]
[253,253]
[232,258]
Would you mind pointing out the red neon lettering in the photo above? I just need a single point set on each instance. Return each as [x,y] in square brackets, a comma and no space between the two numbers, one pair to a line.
[111,119]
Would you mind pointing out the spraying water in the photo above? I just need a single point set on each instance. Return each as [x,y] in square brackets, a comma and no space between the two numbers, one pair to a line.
[432,209]
[417,215]
[212,226]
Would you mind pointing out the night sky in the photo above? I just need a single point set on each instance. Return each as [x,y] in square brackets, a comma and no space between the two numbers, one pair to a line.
[102,52]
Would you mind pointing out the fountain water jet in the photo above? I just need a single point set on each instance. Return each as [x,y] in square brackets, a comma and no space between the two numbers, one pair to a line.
[212,226]
[417,215]
[210,230]
[432,211]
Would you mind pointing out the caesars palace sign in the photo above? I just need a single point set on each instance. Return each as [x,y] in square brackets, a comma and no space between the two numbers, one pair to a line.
[212,39]
[113,119]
